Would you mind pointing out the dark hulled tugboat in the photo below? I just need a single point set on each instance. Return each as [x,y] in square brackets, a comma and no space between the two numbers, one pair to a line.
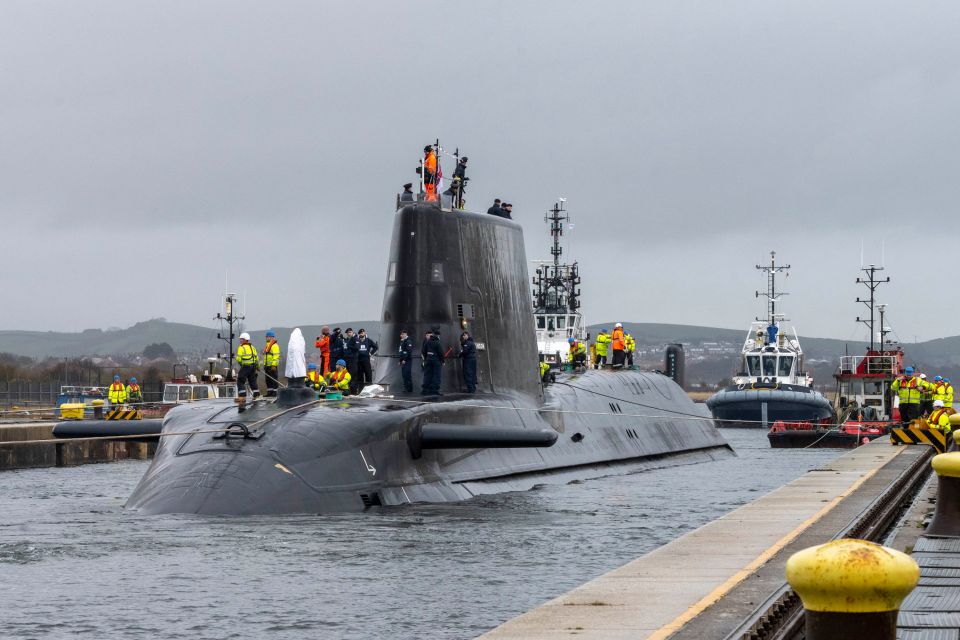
[771,383]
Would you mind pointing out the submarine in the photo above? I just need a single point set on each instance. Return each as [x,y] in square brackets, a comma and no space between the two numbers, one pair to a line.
[457,270]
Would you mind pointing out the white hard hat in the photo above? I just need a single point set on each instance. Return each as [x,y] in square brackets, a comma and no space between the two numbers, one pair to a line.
[938,403]
[245,336]
[619,325]
[923,376]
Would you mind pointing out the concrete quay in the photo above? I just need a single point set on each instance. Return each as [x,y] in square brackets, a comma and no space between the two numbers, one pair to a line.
[707,582]
[36,448]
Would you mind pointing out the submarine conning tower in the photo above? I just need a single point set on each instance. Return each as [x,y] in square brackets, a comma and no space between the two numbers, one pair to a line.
[460,271]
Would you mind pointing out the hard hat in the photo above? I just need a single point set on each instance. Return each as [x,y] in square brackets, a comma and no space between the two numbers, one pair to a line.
[341,363]
[271,333]
[619,326]
[245,336]
[570,340]
[133,380]
[923,376]
[938,403]
[115,378]
[311,366]
[908,371]
[937,378]
[946,379]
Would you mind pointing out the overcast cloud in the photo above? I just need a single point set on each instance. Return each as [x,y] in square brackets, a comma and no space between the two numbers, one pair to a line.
[149,148]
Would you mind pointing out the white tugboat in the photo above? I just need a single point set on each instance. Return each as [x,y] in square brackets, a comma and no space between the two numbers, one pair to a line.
[556,298]
[770,383]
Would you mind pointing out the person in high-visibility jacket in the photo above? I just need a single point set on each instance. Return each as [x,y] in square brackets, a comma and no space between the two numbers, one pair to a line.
[926,396]
[619,345]
[602,345]
[117,394]
[909,389]
[546,375]
[249,361]
[323,343]
[133,392]
[631,345]
[942,390]
[939,418]
[339,378]
[314,377]
[578,353]
[271,363]
[430,172]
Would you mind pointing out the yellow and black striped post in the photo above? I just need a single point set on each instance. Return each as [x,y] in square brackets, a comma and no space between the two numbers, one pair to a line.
[946,516]
[916,435]
[851,589]
[120,413]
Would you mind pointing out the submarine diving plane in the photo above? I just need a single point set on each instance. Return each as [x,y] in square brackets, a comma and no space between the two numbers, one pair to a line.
[457,270]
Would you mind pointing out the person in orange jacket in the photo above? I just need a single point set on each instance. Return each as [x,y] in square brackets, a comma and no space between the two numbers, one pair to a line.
[323,343]
[430,172]
[619,346]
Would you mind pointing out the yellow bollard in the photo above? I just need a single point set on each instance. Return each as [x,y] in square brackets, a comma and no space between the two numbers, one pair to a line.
[946,517]
[851,589]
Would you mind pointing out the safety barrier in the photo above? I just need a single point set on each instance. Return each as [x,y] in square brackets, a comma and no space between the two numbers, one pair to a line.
[917,435]
[120,413]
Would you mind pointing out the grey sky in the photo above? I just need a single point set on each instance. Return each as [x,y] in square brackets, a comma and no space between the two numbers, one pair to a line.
[147,148]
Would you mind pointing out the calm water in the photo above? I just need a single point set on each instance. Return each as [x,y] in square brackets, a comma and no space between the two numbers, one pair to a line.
[73,563]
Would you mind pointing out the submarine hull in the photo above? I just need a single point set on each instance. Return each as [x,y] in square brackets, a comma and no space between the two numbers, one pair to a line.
[761,407]
[350,455]
[448,271]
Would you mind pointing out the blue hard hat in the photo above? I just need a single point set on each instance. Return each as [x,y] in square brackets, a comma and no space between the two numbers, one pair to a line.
[938,378]
[908,371]
[311,366]
[946,379]
[341,363]
[570,340]
[115,378]
[271,333]
[134,380]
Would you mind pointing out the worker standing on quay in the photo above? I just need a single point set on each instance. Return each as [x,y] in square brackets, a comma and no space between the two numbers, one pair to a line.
[631,345]
[939,418]
[365,348]
[601,346]
[249,363]
[336,348]
[619,346]
[339,378]
[909,388]
[271,363]
[133,392]
[323,344]
[433,358]
[405,354]
[942,391]
[117,394]
[468,354]
[926,396]
[430,172]
[314,377]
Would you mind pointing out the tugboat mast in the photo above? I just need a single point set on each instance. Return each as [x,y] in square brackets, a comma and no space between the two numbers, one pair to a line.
[556,285]
[871,282]
[772,295]
[232,321]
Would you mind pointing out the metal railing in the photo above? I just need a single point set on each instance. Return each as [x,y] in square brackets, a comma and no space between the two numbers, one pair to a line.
[873,364]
